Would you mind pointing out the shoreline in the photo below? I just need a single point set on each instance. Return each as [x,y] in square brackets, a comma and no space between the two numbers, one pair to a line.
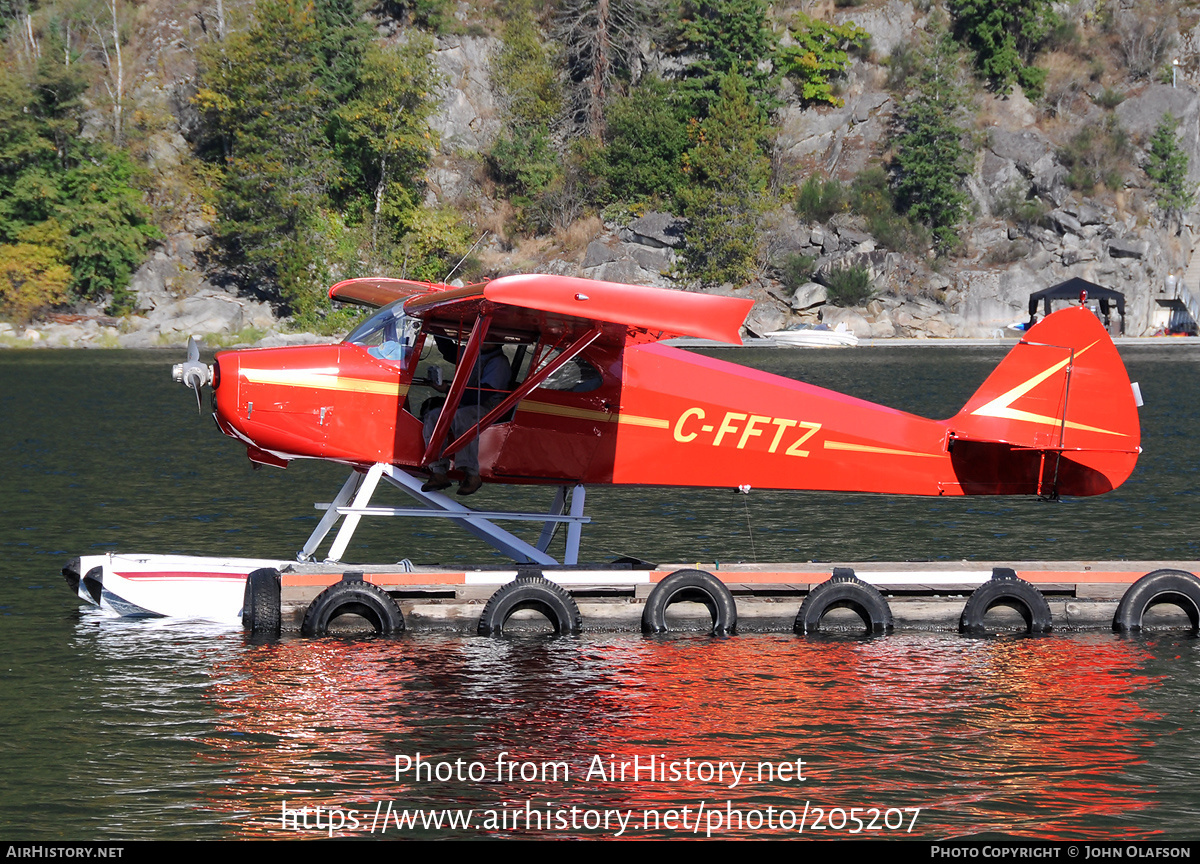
[211,341]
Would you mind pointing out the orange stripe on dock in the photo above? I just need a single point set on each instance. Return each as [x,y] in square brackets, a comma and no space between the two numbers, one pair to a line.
[309,580]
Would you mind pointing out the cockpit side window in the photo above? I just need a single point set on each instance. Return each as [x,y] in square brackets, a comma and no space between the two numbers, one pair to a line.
[389,334]
[575,376]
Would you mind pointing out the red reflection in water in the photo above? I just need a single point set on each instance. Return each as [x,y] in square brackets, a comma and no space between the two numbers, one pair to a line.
[1027,737]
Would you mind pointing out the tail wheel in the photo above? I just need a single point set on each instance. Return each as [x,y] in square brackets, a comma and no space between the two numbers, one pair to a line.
[530,592]
[844,590]
[260,603]
[696,586]
[1161,586]
[1005,589]
[354,597]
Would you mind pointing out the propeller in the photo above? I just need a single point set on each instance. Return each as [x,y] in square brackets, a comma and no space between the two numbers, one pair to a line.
[193,373]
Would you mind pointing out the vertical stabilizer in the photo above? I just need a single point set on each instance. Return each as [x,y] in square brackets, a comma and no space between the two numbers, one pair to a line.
[1064,393]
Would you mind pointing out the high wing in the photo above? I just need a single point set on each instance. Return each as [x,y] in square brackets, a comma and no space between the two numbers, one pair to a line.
[374,291]
[521,306]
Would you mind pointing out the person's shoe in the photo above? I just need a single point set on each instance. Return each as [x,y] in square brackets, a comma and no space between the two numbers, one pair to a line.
[437,480]
[471,484]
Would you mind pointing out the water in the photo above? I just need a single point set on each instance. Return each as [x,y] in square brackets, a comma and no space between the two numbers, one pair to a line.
[113,729]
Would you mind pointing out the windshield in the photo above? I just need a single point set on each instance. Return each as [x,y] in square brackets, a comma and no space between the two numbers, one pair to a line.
[389,334]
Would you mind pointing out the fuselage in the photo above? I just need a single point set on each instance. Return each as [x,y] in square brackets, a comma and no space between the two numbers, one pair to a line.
[633,411]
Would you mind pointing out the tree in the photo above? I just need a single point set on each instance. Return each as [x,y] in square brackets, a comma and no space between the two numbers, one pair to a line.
[527,80]
[32,276]
[602,40]
[1167,166]
[725,198]
[386,127]
[1006,36]
[930,161]
[732,37]
[647,137]
[108,49]
[64,193]
[263,99]
[821,52]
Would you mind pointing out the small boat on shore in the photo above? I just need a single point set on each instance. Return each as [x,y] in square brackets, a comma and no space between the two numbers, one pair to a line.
[820,336]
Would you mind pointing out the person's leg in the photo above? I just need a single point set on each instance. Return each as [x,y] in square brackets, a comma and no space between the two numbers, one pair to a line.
[466,460]
[437,470]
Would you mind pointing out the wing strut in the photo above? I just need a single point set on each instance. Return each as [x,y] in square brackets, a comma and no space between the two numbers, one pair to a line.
[462,372]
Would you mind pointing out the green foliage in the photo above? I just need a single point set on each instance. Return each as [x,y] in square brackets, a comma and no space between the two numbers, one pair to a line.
[436,239]
[343,41]
[383,132]
[522,70]
[730,37]
[107,230]
[849,286]
[1013,204]
[1167,166]
[434,15]
[645,142]
[821,53]
[902,64]
[314,127]
[796,269]
[931,161]
[263,96]
[62,193]
[524,162]
[1097,156]
[817,200]
[872,198]
[1110,98]
[726,195]
[1006,36]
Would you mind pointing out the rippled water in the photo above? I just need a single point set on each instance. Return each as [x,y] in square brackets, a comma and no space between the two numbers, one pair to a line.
[118,729]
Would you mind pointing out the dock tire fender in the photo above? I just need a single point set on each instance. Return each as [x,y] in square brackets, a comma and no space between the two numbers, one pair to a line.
[690,585]
[1160,586]
[844,591]
[1005,589]
[353,597]
[260,602]
[530,592]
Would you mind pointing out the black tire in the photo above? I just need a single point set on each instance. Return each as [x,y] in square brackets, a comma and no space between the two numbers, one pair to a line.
[690,585]
[844,590]
[1161,586]
[530,592]
[353,597]
[1005,589]
[260,603]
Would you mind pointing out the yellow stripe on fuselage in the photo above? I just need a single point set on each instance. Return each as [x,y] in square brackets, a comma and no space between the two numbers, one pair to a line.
[319,380]
[887,451]
[591,414]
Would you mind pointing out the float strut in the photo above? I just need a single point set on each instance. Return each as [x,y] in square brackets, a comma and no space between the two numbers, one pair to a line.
[330,517]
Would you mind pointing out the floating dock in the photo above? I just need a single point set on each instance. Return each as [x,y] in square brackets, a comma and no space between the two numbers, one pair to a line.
[320,599]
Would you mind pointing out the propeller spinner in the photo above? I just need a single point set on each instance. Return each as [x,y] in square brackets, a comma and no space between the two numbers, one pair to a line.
[193,373]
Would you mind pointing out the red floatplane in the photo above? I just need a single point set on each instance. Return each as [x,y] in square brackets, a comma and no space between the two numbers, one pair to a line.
[566,383]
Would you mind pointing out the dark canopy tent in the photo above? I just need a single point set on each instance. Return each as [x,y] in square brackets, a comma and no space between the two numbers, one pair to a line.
[1071,289]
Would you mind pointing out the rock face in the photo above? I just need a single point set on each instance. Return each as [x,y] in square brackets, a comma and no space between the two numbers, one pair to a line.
[1029,229]
[469,116]
[640,253]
